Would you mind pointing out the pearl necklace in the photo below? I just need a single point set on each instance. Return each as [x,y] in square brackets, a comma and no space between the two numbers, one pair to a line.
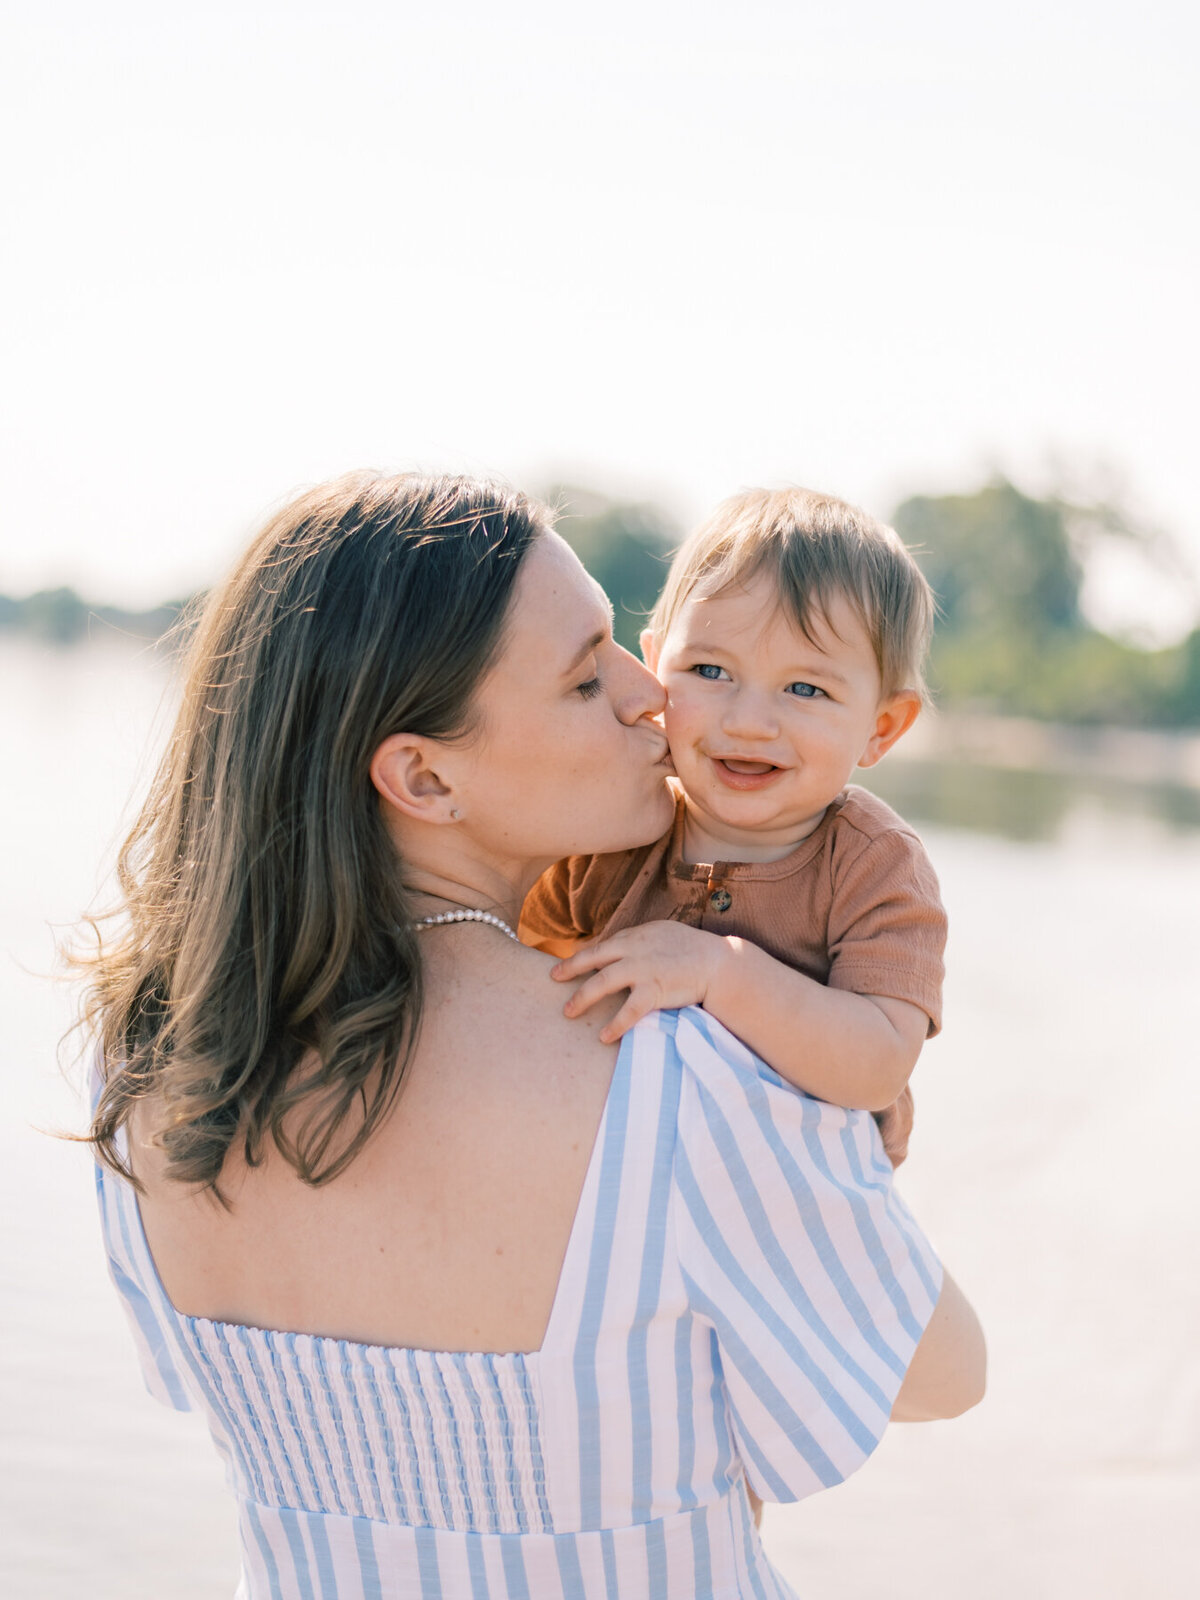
[465,915]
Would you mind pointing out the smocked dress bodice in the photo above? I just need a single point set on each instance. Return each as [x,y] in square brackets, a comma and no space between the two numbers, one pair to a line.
[740,1297]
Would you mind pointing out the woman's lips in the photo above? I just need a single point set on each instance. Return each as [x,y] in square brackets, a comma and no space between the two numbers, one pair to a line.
[738,774]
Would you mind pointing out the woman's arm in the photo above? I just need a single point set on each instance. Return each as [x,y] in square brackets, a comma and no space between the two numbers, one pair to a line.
[948,1371]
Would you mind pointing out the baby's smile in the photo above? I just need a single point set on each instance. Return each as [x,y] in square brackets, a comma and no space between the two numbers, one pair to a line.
[743,774]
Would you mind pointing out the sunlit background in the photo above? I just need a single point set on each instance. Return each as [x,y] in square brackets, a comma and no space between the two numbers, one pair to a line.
[937,259]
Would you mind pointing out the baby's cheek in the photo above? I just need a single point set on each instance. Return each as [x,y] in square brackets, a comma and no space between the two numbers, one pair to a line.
[681,736]
[683,714]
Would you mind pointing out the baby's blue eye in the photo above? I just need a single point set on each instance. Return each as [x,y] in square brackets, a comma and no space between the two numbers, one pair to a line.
[805,691]
[708,670]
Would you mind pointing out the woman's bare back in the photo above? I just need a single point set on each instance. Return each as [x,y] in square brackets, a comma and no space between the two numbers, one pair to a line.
[448,1232]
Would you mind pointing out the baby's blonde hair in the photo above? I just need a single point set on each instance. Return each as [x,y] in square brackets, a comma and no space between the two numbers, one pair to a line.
[815,548]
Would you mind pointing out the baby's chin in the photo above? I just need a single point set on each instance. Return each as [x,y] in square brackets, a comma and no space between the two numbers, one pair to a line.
[749,818]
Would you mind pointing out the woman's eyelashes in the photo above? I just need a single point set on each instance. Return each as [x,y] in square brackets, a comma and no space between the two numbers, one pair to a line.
[591,688]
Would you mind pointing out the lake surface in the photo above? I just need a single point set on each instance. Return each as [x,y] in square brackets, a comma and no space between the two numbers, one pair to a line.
[1053,1164]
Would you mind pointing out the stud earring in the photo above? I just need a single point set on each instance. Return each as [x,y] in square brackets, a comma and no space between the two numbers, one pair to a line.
[455,815]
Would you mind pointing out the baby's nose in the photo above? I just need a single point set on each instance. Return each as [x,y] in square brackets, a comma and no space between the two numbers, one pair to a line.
[750,716]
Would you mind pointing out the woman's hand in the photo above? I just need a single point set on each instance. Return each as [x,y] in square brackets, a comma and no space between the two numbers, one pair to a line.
[662,964]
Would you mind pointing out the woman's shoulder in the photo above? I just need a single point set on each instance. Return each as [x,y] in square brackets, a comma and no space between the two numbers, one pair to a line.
[736,1119]
[711,1060]
[751,1151]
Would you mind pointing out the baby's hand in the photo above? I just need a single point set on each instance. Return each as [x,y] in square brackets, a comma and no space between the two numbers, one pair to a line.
[662,964]
[895,1126]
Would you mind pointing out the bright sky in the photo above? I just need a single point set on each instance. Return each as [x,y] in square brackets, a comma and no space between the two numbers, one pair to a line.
[667,249]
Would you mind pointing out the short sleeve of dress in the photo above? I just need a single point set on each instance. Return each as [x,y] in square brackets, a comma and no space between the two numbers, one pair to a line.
[131,1268]
[797,1251]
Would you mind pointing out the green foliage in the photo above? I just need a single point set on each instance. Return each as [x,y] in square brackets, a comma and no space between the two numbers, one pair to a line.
[996,559]
[61,617]
[1007,571]
[56,615]
[1011,637]
[626,548]
[1079,676]
[1184,703]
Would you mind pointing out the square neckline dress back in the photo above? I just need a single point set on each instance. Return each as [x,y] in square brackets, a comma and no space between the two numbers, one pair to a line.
[740,1296]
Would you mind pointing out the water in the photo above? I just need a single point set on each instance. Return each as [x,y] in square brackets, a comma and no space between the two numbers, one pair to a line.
[1036,807]
[1053,1163]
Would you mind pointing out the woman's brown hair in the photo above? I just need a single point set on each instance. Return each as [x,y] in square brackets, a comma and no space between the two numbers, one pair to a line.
[265,977]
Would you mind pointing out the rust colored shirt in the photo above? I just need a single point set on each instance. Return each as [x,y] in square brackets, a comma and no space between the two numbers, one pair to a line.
[855,905]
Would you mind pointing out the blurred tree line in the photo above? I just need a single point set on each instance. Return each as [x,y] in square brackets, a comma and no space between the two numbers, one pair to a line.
[1008,571]
[60,616]
[626,547]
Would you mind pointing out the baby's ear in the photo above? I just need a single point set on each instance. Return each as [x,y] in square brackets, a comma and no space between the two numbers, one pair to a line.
[649,647]
[896,716]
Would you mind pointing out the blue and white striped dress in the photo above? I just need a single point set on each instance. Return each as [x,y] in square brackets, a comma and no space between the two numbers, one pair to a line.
[741,1295]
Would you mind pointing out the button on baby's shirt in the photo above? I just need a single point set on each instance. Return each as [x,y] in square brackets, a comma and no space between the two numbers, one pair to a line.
[720,899]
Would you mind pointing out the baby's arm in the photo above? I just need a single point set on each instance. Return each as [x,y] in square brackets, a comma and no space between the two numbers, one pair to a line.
[849,1049]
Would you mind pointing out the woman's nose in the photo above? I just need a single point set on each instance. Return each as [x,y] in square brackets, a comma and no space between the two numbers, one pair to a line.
[749,715]
[639,693]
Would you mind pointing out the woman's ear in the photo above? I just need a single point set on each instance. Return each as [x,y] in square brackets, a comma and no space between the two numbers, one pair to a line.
[404,772]
[649,647]
[895,717]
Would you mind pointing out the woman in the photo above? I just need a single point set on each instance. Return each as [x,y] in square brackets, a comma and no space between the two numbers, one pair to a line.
[474,1303]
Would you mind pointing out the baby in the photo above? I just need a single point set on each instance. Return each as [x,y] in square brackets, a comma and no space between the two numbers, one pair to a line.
[802,913]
